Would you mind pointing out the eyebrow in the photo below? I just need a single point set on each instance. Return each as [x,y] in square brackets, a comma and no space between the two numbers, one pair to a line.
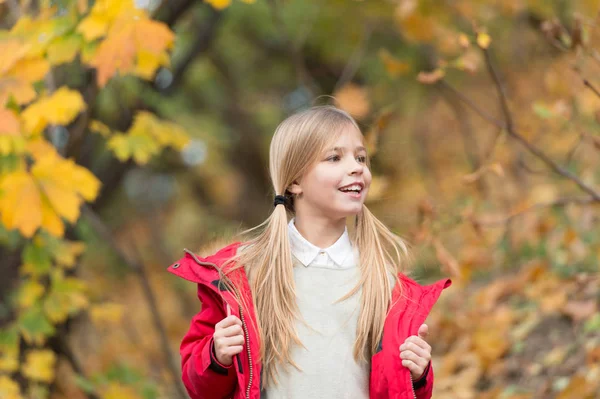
[361,148]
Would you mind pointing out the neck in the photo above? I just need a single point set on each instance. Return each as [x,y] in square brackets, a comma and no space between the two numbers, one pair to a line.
[319,231]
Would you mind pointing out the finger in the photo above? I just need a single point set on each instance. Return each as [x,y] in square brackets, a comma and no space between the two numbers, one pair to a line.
[409,364]
[228,310]
[418,341]
[234,350]
[423,331]
[230,331]
[409,355]
[417,350]
[228,321]
[232,341]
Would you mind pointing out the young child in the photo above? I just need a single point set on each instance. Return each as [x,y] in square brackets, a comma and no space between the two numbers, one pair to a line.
[303,309]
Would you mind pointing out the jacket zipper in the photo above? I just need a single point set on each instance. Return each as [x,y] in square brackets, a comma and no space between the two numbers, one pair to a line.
[412,386]
[244,326]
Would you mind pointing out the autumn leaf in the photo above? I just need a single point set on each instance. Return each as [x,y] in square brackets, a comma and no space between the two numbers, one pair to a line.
[146,137]
[393,66]
[55,188]
[9,389]
[20,203]
[102,16]
[100,128]
[9,349]
[64,49]
[29,292]
[11,140]
[483,40]
[34,326]
[115,390]
[60,108]
[39,365]
[127,49]
[354,100]
[219,4]
[67,296]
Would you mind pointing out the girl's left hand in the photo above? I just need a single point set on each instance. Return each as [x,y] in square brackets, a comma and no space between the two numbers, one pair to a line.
[416,353]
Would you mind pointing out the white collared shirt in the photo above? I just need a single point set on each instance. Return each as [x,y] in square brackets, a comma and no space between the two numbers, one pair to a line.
[340,255]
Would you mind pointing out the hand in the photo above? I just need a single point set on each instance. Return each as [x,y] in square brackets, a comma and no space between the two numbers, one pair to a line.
[416,353]
[228,339]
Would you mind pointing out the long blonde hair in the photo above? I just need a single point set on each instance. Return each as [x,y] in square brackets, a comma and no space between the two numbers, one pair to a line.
[298,143]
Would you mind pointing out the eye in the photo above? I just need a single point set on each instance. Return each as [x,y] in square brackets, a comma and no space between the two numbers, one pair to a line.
[361,158]
[334,158]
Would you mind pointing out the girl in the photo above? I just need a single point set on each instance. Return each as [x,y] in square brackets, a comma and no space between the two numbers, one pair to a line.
[303,309]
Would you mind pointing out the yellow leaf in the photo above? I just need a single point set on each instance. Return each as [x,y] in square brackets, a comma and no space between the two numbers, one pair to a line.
[146,137]
[29,293]
[9,351]
[67,296]
[9,389]
[39,148]
[20,203]
[64,49]
[393,66]
[114,390]
[413,25]
[11,51]
[107,313]
[148,63]
[11,140]
[29,70]
[219,4]
[101,128]
[354,100]
[67,252]
[62,182]
[102,16]
[22,91]
[483,40]
[39,365]
[58,109]
[126,38]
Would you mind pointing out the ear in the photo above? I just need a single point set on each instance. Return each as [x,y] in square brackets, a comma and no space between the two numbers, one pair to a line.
[295,188]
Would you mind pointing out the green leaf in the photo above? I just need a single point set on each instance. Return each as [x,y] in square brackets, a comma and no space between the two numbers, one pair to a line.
[34,326]
[36,260]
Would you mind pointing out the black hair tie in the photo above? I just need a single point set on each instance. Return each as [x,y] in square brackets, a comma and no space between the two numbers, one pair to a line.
[280,199]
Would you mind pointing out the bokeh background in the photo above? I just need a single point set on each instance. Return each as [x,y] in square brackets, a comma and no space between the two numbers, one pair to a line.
[131,130]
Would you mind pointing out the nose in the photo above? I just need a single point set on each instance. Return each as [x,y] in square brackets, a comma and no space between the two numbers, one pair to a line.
[356,168]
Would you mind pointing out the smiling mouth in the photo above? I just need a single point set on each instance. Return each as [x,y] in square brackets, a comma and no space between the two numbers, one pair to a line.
[354,189]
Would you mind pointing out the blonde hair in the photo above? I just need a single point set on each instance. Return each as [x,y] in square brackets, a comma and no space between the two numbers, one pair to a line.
[297,145]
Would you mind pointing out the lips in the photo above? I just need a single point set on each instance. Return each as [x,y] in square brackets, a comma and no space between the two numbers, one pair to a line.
[356,188]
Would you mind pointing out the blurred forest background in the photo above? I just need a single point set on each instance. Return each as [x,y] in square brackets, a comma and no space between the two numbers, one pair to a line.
[129,131]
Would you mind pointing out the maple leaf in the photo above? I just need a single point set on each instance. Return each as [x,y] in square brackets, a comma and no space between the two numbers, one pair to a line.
[55,188]
[67,296]
[9,389]
[29,292]
[127,49]
[146,137]
[11,140]
[39,365]
[34,326]
[102,16]
[60,108]
[9,350]
[64,49]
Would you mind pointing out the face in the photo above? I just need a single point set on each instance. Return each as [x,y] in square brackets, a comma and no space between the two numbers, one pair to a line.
[337,184]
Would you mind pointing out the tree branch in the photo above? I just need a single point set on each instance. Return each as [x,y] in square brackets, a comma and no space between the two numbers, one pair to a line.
[137,266]
[514,134]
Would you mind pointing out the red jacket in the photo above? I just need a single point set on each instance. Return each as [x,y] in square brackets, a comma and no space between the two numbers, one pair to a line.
[204,378]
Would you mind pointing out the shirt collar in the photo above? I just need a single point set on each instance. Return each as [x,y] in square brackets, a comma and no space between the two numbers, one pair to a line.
[306,252]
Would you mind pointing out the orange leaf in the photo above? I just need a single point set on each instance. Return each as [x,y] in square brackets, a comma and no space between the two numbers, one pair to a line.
[431,77]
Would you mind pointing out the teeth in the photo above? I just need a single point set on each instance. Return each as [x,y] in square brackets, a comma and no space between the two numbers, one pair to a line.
[354,187]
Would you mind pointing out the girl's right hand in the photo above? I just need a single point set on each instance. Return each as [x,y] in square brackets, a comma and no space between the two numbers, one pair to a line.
[228,339]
